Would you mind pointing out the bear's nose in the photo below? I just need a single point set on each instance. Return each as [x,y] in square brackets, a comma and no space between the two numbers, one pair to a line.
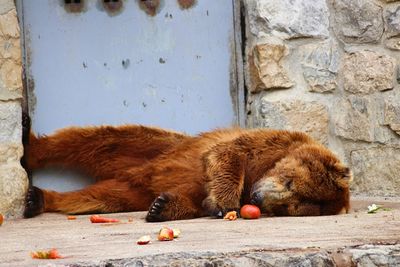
[256,199]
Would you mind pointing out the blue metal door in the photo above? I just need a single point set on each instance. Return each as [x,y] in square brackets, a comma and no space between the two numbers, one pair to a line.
[175,70]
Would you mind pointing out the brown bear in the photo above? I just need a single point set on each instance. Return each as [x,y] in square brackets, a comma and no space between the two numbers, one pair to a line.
[175,176]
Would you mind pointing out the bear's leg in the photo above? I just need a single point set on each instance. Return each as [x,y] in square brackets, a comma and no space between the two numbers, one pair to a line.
[101,152]
[169,206]
[225,170]
[106,196]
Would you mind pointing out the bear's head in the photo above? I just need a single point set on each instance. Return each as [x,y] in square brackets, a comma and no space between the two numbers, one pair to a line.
[310,181]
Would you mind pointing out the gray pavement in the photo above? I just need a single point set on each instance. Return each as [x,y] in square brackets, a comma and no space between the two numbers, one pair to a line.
[278,241]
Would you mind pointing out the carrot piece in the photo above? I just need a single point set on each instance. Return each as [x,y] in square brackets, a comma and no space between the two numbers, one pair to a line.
[71,217]
[99,219]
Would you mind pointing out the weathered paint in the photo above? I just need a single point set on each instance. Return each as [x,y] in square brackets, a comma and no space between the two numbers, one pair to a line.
[172,70]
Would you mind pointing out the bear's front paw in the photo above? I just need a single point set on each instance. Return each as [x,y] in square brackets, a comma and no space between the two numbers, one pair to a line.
[157,207]
[34,204]
[219,211]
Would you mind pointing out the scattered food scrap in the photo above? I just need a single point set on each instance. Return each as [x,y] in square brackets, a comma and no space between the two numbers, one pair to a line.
[232,215]
[373,208]
[50,254]
[1,219]
[177,232]
[166,234]
[250,212]
[100,219]
[144,240]
[130,219]
[71,218]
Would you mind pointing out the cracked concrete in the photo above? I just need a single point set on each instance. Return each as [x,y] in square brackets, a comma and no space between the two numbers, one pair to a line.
[357,239]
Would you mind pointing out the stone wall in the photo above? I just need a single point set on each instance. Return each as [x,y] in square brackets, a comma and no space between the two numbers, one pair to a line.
[330,68]
[13,179]
[326,67]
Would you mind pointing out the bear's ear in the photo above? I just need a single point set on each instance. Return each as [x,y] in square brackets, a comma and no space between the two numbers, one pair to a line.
[344,176]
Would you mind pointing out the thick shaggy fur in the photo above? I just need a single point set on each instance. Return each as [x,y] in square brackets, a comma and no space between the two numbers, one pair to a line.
[176,176]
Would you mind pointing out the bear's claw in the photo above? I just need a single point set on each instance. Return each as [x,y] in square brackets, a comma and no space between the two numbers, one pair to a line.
[34,204]
[156,208]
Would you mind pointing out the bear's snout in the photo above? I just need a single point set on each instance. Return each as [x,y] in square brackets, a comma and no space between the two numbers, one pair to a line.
[269,190]
[257,199]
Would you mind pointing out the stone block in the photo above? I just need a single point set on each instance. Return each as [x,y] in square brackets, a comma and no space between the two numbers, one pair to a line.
[358,21]
[265,67]
[366,72]
[10,152]
[309,117]
[11,76]
[288,19]
[357,118]
[393,43]
[392,21]
[6,6]
[9,26]
[13,186]
[376,170]
[10,122]
[392,116]
[10,48]
[320,63]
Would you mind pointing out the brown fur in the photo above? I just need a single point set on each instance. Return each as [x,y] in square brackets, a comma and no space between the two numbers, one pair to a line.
[177,176]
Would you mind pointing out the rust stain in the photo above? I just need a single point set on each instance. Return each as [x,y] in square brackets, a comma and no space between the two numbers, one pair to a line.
[150,6]
[75,6]
[185,4]
[113,7]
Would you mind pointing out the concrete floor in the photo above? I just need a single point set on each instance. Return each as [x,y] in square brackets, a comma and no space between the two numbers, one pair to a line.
[87,244]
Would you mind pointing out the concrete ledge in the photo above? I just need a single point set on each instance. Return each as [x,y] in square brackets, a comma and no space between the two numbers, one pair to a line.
[357,238]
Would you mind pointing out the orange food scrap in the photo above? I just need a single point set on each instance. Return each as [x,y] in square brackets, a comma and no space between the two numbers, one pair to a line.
[50,254]
[1,219]
[232,215]
[71,217]
[100,219]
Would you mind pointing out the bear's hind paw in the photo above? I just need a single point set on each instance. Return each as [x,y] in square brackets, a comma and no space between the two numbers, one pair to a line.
[156,208]
[34,202]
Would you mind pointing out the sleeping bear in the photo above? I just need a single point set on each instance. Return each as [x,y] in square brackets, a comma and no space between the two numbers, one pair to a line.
[175,176]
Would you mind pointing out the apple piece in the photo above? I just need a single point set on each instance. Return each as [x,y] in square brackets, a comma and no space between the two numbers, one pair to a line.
[250,212]
[166,234]
[144,240]
[177,232]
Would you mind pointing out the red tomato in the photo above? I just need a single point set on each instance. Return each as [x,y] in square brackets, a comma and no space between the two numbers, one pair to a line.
[250,212]
[53,254]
